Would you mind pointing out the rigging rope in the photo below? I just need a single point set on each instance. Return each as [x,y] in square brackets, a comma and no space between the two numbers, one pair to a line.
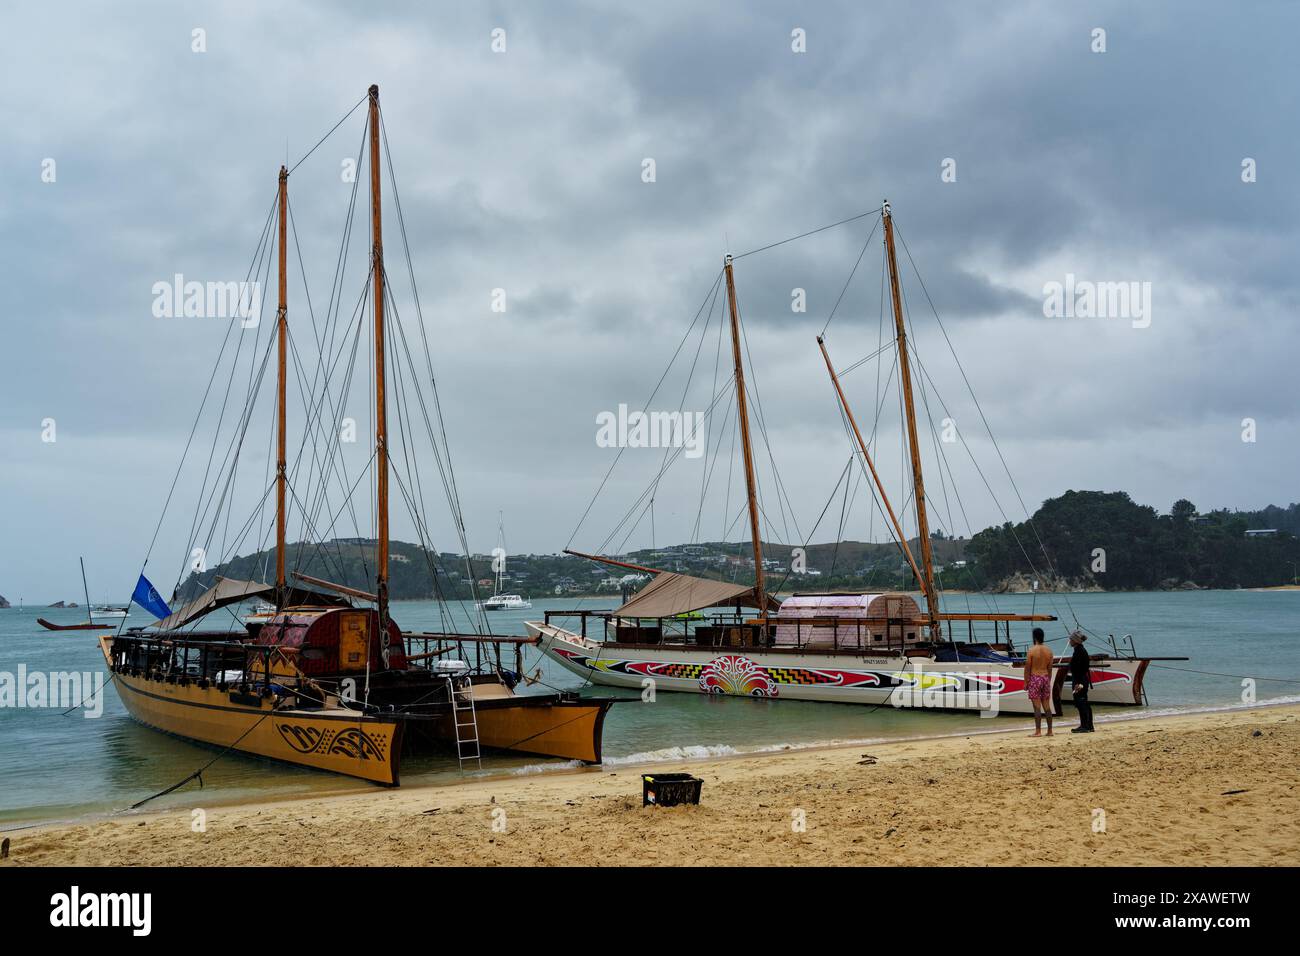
[804,235]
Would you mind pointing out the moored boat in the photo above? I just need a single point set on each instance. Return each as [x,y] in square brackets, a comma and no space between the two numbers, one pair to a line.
[89,624]
[879,649]
[505,602]
[320,674]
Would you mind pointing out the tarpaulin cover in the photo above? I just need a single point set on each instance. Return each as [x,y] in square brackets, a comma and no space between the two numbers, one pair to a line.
[671,593]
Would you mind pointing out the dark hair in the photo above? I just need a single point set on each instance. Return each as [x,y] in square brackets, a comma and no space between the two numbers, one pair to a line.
[1038,635]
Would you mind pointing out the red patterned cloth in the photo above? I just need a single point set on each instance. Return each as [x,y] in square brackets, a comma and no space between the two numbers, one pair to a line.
[1040,687]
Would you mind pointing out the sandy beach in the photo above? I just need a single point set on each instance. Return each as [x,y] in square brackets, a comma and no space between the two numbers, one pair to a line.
[1216,788]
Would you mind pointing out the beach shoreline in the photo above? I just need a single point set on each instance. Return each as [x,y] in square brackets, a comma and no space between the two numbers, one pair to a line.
[1216,787]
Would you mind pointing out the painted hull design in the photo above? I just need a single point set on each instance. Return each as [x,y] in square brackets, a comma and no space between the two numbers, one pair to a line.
[917,682]
[335,740]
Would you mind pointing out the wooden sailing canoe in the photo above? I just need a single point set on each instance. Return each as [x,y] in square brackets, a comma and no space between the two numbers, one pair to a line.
[334,739]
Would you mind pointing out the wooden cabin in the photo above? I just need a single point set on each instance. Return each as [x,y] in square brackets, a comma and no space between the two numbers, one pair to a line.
[333,640]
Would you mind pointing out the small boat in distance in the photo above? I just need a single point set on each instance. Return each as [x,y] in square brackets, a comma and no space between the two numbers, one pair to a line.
[499,601]
[261,613]
[107,612]
[505,602]
[90,624]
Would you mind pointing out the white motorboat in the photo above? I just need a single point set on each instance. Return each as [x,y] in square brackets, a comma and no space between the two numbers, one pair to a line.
[505,602]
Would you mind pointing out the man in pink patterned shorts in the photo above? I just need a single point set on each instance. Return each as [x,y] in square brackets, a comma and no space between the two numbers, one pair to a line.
[1038,682]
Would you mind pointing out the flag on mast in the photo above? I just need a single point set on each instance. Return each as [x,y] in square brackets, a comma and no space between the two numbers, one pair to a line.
[148,598]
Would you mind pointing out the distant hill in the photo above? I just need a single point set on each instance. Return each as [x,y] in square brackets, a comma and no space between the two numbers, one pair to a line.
[1105,539]
[417,575]
[349,561]
[1142,550]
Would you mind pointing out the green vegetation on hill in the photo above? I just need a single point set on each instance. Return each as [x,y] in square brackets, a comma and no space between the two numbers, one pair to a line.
[1106,539]
[351,562]
[1141,548]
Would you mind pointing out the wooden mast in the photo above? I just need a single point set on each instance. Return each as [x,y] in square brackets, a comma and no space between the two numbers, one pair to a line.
[85,590]
[381,414]
[844,403]
[913,441]
[281,322]
[760,591]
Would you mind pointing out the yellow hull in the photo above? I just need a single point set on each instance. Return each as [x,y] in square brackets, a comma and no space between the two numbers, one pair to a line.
[338,741]
[569,729]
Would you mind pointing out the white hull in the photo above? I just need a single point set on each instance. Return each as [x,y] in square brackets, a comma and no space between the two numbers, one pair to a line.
[917,682]
[491,605]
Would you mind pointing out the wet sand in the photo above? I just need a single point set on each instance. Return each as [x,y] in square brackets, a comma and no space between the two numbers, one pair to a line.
[1218,788]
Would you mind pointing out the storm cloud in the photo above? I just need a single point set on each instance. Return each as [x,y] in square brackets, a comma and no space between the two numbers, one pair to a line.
[522,170]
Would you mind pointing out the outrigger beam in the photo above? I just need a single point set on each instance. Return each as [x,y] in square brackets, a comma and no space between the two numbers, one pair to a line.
[997,617]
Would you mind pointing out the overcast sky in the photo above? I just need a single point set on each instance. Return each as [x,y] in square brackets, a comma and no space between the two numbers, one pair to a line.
[522,170]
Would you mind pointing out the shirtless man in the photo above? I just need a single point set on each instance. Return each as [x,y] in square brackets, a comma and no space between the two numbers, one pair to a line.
[1038,682]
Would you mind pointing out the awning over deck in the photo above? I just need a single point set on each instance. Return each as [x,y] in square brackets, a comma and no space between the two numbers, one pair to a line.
[232,591]
[670,594]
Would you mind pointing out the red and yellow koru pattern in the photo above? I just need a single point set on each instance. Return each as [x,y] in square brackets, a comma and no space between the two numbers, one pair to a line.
[733,674]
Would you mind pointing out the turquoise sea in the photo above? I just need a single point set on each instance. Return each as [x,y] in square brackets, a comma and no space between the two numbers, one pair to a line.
[54,766]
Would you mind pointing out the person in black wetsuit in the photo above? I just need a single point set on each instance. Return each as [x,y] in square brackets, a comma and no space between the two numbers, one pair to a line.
[1081,682]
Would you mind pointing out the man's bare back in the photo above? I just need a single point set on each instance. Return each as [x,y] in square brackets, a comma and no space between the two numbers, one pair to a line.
[1038,660]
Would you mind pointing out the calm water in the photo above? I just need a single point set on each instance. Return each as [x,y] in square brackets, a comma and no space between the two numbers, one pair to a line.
[54,766]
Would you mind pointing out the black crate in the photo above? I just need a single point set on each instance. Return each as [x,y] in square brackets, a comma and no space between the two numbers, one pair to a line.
[669,789]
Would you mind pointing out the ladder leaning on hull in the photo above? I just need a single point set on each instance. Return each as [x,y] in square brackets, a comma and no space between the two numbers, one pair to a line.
[460,691]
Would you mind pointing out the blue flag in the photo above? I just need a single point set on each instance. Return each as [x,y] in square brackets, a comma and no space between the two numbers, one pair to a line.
[148,598]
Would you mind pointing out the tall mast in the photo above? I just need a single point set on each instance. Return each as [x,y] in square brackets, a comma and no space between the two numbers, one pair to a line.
[853,423]
[760,592]
[913,441]
[501,543]
[281,323]
[381,414]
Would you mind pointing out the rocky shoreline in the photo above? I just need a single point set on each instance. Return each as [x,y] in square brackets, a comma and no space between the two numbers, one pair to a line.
[1054,584]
